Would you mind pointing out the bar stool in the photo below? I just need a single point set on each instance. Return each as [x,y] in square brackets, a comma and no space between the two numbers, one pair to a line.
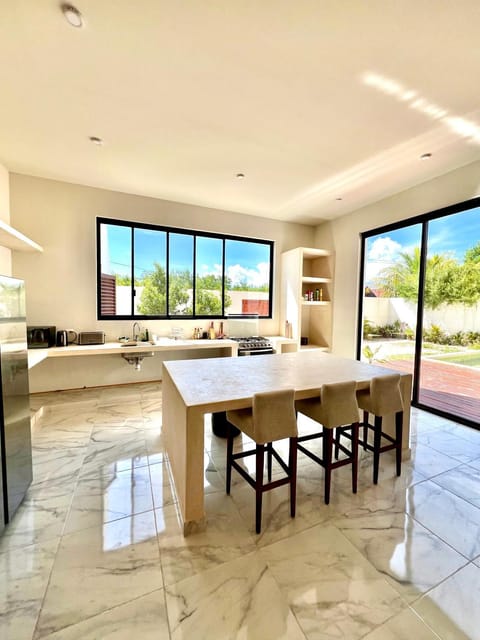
[272,417]
[333,409]
[382,399]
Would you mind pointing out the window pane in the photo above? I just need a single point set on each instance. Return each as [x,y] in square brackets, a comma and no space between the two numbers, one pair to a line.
[208,276]
[180,286]
[392,267]
[150,272]
[115,270]
[247,277]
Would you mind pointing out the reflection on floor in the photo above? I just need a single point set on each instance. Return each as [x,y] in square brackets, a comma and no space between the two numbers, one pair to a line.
[96,552]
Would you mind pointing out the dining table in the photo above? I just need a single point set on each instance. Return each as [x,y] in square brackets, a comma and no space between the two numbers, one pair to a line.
[193,388]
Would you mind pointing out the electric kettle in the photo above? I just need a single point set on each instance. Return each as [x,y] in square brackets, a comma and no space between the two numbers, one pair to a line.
[66,337]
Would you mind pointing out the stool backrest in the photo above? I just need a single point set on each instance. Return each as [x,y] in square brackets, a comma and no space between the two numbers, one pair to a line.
[339,404]
[274,416]
[385,395]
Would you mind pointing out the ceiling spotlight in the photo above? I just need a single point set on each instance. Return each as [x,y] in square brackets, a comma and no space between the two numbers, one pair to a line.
[240,176]
[425,156]
[96,140]
[338,199]
[72,15]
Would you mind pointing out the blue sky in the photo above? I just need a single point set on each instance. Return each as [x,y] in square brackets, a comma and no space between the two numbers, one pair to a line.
[244,260]
[452,234]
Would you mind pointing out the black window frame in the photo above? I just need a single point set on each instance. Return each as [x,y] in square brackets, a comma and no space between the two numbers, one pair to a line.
[176,230]
[422,219]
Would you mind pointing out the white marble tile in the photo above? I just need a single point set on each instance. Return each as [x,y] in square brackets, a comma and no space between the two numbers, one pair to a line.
[463,481]
[112,564]
[57,467]
[239,599]
[106,498]
[450,444]
[145,618]
[40,517]
[451,609]
[121,413]
[160,485]
[155,446]
[116,449]
[449,517]
[332,589]
[23,580]
[406,625]
[430,462]
[411,558]
[475,464]
[225,539]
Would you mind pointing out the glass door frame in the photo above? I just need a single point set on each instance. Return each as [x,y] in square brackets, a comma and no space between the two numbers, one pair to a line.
[424,220]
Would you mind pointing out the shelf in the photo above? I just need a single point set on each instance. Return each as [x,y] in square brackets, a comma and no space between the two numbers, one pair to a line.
[313,280]
[13,239]
[317,303]
[312,347]
[315,253]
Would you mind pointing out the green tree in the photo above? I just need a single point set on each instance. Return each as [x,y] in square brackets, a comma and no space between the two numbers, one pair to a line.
[446,280]
[153,298]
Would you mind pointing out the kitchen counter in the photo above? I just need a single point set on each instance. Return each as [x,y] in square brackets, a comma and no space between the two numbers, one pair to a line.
[35,356]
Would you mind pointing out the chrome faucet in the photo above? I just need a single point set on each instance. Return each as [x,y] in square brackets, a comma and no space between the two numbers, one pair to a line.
[139,329]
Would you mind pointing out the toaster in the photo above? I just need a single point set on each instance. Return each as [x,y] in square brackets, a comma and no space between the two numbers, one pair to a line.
[91,337]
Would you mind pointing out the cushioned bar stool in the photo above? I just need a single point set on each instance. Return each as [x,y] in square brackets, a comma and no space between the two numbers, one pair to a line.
[272,417]
[383,398]
[333,409]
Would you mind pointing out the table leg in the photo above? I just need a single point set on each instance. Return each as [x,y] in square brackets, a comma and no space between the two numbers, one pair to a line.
[183,431]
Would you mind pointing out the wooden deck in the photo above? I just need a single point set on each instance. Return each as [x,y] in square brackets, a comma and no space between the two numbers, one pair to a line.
[447,387]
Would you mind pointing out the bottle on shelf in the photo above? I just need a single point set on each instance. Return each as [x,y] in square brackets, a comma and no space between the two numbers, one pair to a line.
[211,332]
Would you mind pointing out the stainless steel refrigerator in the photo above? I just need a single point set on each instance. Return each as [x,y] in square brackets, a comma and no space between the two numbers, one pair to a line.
[15,433]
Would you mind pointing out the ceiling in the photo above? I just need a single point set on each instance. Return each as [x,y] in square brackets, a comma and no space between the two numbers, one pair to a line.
[323,105]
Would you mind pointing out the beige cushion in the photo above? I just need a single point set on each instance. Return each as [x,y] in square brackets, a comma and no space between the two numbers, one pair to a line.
[336,406]
[272,417]
[383,397]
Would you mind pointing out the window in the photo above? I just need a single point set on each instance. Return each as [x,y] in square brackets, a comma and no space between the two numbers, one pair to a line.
[147,271]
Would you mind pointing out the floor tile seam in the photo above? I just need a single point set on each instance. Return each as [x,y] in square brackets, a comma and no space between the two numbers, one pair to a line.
[433,479]
[95,615]
[460,553]
[47,585]
[123,517]
[442,451]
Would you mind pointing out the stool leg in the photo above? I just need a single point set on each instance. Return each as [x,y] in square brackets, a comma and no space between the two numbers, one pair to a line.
[365,430]
[399,437]
[377,438]
[292,466]
[269,461]
[355,429]
[229,457]
[327,460]
[259,456]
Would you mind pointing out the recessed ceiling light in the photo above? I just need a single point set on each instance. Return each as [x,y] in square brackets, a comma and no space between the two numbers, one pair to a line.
[425,156]
[240,176]
[96,140]
[72,15]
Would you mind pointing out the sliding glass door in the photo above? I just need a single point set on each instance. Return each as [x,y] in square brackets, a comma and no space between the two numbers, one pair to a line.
[420,307]
[449,371]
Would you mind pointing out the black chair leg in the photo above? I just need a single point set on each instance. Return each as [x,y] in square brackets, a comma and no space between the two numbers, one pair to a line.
[399,438]
[327,459]
[260,449]
[377,438]
[229,457]
[365,430]
[269,461]
[292,468]
[355,429]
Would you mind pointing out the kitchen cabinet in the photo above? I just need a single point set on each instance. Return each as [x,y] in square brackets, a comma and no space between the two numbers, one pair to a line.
[306,297]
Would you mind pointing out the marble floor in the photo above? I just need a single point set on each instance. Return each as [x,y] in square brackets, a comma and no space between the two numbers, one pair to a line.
[96,551]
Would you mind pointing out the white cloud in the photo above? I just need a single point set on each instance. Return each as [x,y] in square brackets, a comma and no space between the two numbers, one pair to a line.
[382,253]
[254,277]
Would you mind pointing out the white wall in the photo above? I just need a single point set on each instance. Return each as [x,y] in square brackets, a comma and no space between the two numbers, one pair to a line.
[61,282]
[343,237]
[5,254]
